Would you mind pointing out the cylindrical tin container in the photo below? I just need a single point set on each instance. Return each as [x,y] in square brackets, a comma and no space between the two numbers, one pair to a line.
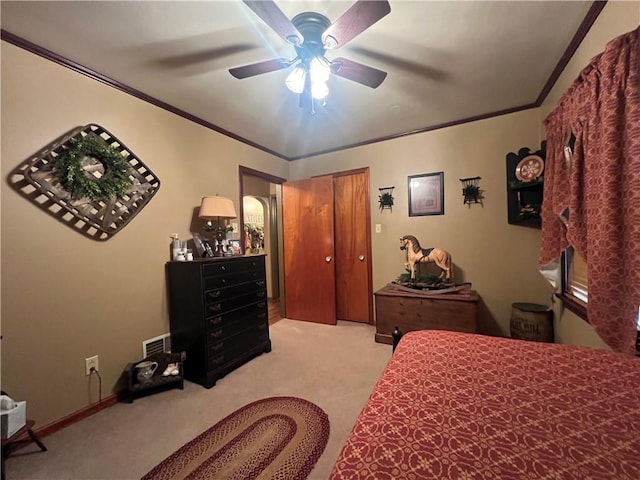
[530,321]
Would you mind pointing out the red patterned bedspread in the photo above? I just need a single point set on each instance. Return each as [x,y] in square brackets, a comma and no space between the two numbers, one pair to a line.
[463,406]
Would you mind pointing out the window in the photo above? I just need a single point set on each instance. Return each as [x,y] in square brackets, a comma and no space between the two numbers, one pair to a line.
[577,276]
[575,291]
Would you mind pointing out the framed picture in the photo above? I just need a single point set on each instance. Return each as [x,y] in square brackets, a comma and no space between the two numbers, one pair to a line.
[234,247]
[199,244]
[426,194]
[208,249]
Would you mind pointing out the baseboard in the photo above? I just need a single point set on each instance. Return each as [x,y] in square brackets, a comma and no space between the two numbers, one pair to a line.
[77,416]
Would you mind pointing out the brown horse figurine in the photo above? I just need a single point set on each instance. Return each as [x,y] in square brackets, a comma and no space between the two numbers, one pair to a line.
[417,254]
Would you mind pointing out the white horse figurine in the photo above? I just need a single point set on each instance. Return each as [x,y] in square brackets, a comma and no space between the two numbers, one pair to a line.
[417,254]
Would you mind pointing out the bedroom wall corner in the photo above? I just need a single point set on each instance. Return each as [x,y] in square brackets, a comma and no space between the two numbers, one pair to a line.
[499,259]
[66,297]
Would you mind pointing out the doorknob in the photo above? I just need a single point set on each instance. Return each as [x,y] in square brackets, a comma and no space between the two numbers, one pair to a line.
[327,259]
[361,258]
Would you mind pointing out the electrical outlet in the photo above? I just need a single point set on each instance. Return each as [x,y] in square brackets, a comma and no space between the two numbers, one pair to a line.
[89,363]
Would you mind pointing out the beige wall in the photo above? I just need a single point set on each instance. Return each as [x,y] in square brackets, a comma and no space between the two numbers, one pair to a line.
[616,19]
[66,297]
[499,259]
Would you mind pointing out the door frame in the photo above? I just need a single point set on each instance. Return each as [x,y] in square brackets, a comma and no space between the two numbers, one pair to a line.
[244,172]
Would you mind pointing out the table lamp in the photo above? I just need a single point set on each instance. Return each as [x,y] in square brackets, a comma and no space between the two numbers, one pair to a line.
[217,208]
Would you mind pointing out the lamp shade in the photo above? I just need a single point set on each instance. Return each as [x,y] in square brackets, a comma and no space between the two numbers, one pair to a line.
[217,207]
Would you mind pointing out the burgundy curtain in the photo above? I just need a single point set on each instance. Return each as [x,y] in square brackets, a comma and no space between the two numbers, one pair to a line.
[600,186]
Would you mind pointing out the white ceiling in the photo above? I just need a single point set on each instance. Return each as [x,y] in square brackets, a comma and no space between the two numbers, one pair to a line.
[446,61]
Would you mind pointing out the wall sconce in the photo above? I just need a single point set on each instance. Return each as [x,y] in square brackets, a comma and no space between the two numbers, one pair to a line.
[471,190]
[386,198]
[218,208]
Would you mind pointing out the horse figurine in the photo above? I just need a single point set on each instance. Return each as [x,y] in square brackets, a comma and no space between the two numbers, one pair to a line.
[417,254]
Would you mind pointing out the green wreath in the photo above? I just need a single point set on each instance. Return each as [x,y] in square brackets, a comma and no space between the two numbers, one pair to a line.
[74,179]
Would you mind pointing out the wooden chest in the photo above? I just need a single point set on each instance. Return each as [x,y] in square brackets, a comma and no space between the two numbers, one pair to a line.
[413,311]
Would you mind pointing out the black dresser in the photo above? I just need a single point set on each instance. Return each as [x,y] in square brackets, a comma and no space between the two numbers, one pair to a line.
[218,314]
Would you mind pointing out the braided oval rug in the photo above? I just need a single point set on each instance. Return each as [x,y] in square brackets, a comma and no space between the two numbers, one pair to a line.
[272,438]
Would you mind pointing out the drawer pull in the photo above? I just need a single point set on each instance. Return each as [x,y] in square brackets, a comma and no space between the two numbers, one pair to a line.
[223,268]
[217,346]
[262,326]
[215,320]
[215,293]
[260,294]
[262,305]
[217,333]
[217,360]
[260,283]
[262,315]
[215,307]
[223,281]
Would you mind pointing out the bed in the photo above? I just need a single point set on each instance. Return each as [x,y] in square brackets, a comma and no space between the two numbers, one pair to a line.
[463,406]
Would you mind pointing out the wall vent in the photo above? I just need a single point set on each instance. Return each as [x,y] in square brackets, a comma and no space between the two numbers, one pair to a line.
[161,343]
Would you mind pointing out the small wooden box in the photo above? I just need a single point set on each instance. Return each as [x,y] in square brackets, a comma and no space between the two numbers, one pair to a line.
[415,311]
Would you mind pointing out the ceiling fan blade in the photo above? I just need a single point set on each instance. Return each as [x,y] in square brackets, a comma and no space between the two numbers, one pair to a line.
[271,14]
[260,68]
[208,55]
[356,72]
[360,16]
[416,68]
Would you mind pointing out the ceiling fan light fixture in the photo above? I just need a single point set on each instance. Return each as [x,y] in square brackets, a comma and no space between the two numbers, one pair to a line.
[319,90]
[330,42]
[296,79]
[320,69]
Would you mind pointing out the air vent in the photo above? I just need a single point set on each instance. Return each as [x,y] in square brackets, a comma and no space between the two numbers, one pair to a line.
[158,344]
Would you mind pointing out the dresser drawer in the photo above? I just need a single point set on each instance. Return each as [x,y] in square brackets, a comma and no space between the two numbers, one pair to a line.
[222,306]
[219,330]
[232,279]
[215,269]
[227,350]
[258,310]
[225,293]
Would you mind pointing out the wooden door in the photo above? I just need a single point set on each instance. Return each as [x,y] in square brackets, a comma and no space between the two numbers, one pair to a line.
[309,266]
[353,247]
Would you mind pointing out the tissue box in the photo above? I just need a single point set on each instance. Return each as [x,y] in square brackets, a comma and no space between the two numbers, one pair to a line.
[13,420]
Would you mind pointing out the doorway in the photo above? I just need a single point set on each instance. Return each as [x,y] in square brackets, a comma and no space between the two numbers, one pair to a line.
[261,228]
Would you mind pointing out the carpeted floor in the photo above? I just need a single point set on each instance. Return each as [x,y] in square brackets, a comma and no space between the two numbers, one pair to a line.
[334,367]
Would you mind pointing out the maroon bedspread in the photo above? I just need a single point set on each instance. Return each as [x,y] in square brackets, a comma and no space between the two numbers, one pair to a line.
[462,406]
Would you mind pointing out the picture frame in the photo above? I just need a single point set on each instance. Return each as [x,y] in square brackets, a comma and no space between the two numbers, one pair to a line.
[426,194]
[199,244]
[208,249]
[234,247]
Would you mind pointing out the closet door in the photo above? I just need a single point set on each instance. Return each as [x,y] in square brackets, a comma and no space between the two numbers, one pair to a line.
[353,247]
[309,264]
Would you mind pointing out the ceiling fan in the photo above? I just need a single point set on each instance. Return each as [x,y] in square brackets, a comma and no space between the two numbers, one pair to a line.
[312,34]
